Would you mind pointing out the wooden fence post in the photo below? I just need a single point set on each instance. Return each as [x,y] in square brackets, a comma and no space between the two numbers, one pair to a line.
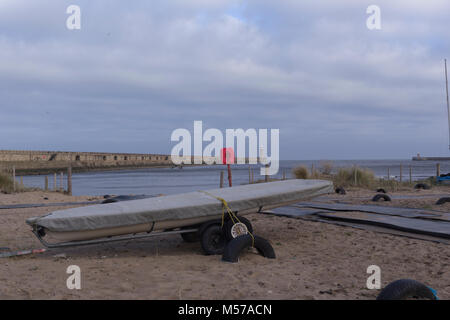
[266,176]
[46,183]
[221,179]
[69,180]
[61,184]
[54,182]
[389,174]
[253,178]
[401,173]
[230,178]
[14,178]
[410,174]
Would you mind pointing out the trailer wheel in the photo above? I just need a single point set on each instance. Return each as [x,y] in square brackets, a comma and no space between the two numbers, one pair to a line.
[237,245]
[383,196]
[231,233]
[213,240]
[381,190]
[406,289]
[340,190]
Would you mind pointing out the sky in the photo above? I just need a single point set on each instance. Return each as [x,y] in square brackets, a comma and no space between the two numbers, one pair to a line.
[138,70]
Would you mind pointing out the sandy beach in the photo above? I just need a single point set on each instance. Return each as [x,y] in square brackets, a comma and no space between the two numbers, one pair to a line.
[314,260]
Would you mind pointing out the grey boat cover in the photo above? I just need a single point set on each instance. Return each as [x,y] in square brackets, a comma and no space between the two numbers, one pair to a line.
[181,206]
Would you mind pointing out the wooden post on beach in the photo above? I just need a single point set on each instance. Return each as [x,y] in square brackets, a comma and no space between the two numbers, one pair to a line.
[230,178]
[266,176]
[438,169]
[21,181]
[356,175]
[401,173]
[14,178]
[249,175]
[253,180]
[61,179]
[54,182]
[221,179]
[46,183]
[69,180]
[410,174]
[389,174]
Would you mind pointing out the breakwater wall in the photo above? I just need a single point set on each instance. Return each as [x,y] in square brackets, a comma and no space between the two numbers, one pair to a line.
[36,162]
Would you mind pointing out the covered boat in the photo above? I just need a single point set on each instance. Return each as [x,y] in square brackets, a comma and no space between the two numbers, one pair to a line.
[172,211]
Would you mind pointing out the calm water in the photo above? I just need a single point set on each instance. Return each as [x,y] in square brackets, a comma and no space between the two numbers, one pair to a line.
[171,181]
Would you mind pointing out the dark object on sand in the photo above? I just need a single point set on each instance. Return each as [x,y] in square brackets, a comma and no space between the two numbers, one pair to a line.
[106,196]
[340,190]
[381,190]
[235,247]
[443,200]
[406,289]
[125,198]
[383,196]
[422,186]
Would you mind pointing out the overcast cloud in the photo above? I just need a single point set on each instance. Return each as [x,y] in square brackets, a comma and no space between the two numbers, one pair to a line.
[137,70]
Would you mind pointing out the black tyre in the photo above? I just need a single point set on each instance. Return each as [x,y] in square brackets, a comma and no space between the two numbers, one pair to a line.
[406,289]
[443,200]
[235,247]
[381,190]
[229,225]
[340,190]
[383,196]
[422,186]
[190,237]
[213,240]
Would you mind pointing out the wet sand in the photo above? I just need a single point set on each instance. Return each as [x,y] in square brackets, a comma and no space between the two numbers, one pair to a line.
[314,260]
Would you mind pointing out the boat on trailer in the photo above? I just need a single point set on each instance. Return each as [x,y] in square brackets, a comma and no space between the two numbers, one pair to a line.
[186,213]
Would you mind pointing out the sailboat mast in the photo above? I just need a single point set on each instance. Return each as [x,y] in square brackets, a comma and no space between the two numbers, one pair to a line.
[448,104]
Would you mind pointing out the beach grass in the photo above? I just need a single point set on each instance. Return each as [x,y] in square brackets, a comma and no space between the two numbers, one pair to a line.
[349,177]
[6,183]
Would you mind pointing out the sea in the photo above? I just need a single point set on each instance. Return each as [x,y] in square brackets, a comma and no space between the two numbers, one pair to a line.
[154,181]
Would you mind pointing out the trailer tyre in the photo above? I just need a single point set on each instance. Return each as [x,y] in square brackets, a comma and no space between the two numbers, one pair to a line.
[340,190]
[229,225]
[381,190]
[443,200]
[383,196]
[236,246]
[405,289]
[213,240]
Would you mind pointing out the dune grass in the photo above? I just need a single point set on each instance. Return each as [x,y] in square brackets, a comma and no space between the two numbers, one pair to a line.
[6,183]
[348,177]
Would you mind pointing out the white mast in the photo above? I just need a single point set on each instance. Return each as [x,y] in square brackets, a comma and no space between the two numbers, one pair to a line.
[448,104]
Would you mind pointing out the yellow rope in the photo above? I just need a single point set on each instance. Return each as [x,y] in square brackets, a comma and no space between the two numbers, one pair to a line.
[231,214]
